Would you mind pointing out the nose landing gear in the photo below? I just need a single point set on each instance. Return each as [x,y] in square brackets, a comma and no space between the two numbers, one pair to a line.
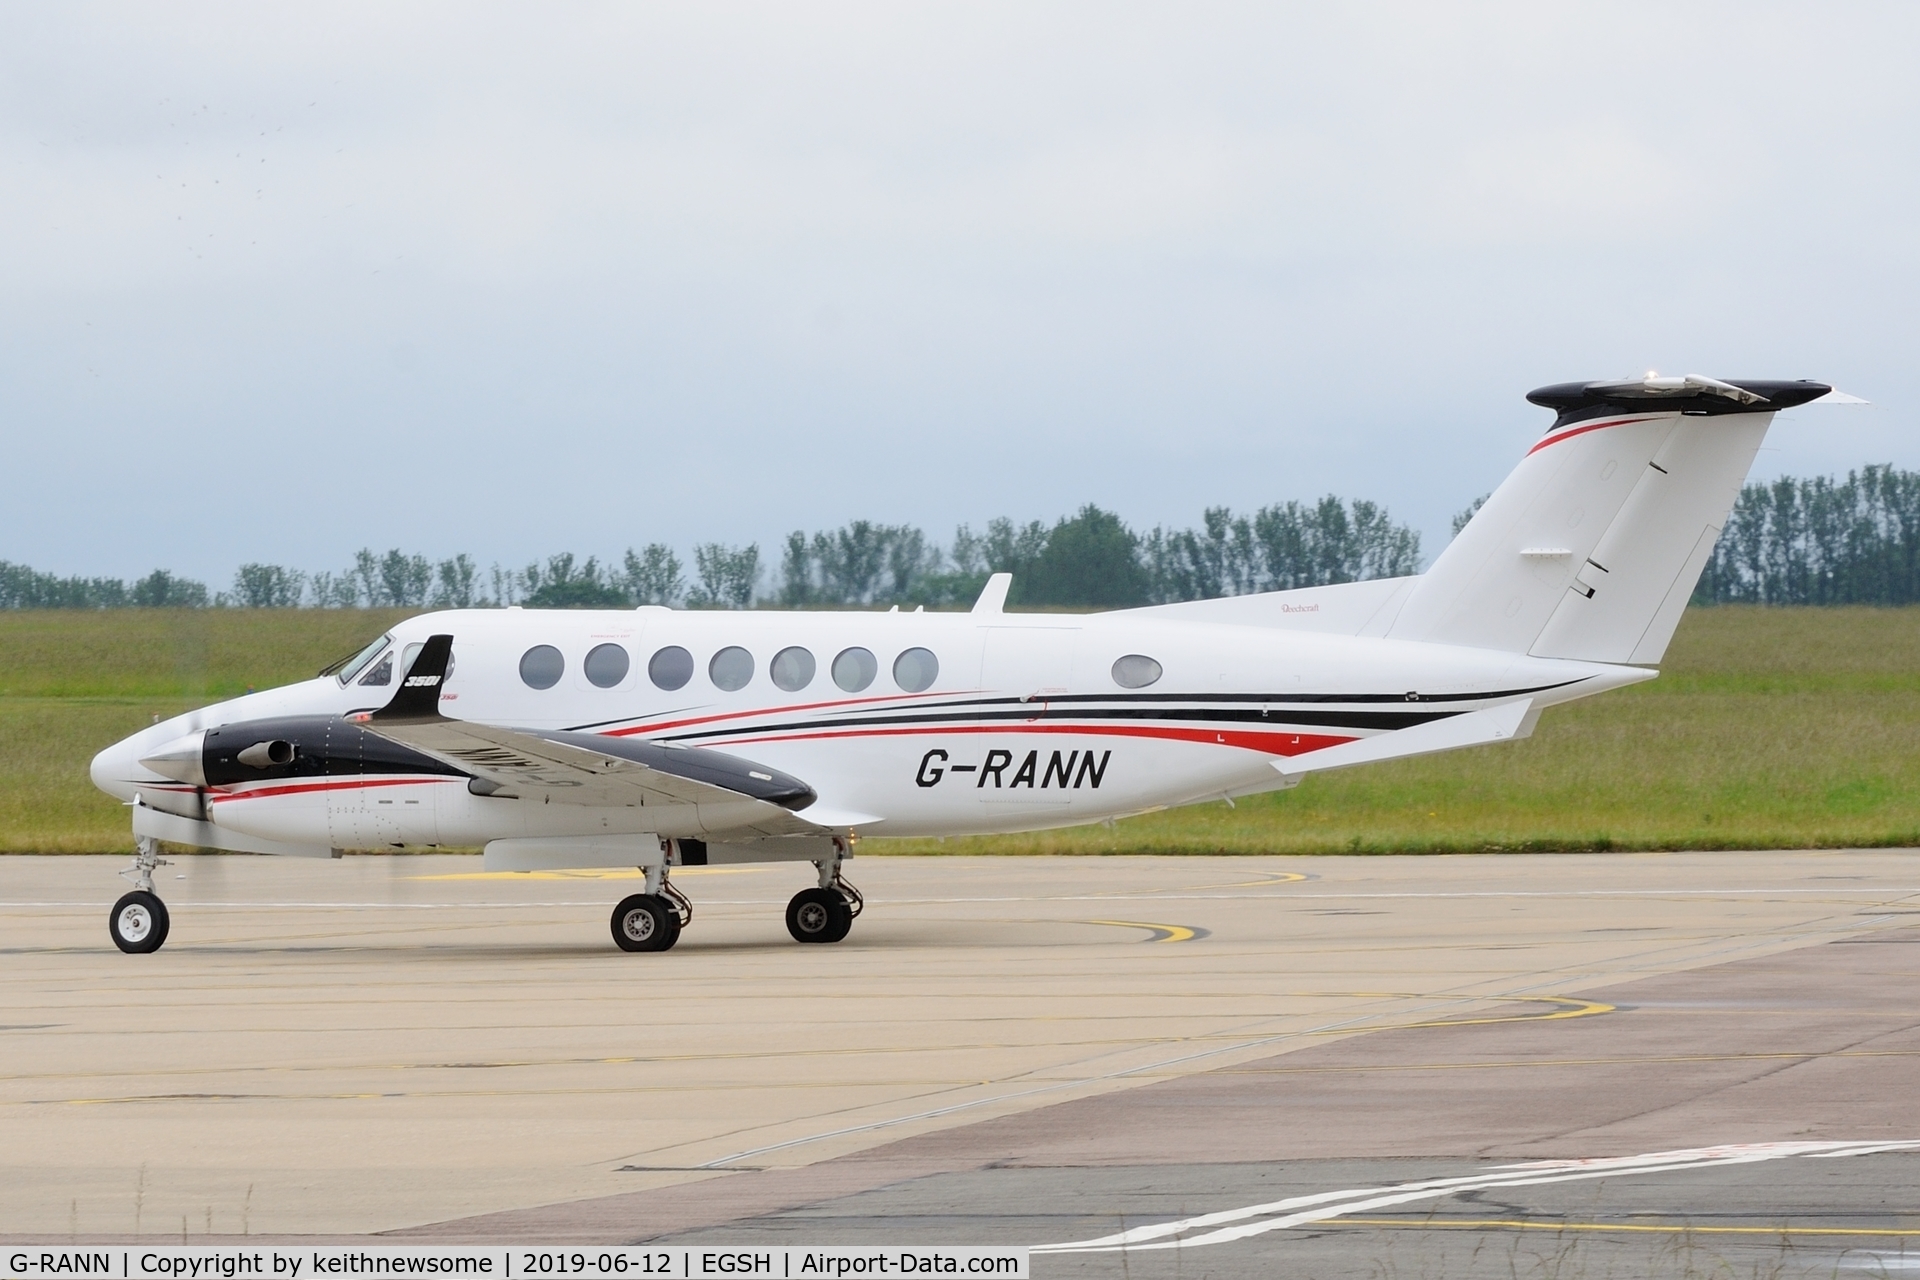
[138,922]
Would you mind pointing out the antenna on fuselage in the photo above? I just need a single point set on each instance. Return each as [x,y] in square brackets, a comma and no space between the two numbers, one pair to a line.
[993,596]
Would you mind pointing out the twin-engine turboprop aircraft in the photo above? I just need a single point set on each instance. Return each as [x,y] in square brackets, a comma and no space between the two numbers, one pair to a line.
[656,739]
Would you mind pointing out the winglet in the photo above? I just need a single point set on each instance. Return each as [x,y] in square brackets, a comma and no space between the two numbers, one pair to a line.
[418,698]
[993,596]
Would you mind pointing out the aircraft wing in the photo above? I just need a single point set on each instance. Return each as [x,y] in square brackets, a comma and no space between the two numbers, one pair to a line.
[565,767]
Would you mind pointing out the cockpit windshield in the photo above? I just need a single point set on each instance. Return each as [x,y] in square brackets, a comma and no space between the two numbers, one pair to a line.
[351,668]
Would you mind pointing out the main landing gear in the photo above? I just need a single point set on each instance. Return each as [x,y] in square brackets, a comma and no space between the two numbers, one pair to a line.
[138,922]
[651,921]
[824,913]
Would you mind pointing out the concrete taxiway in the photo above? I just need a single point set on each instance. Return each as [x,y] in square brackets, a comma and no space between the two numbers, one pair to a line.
[1026,1051]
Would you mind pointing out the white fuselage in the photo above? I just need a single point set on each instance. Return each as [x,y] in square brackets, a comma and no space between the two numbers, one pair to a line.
[1024,726]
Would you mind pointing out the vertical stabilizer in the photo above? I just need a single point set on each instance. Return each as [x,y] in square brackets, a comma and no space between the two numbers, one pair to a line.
[1592,546]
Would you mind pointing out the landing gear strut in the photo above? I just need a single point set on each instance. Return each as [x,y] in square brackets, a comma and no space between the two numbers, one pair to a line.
[824,913]
[138,922]
[651,921]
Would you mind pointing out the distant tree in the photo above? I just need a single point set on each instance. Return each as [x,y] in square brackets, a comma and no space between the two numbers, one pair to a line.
[24,588]
[1820,541]
[565,584]
[654,576]
[728,576]
[268,586]
[1011,548]
[405,581]
[333,591]
[366,576]
[799,585]
[161,590]
[1279,548]
[1092,559]
[1460,520]
[454,582]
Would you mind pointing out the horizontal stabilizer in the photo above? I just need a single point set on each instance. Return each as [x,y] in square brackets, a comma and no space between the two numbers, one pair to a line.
[1504,723]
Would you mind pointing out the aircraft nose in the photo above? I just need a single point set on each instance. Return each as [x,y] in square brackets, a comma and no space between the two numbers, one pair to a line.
[179,760]
[113,769]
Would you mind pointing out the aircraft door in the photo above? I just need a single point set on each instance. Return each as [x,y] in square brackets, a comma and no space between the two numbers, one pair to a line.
[1029,663]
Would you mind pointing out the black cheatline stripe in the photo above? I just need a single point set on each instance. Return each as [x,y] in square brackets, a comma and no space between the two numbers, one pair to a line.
[1277,700]
[1279,723]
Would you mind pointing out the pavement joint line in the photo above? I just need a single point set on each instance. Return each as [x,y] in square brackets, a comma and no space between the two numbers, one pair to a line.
[1572,1008]
[1349,1025]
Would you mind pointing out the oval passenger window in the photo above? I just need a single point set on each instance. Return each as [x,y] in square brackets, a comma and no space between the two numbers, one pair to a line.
[731,668]
[606,665]
[1135,671]
[855,669]
[671,668]
[412,651]
[792,669]
[916,669]
[542,666]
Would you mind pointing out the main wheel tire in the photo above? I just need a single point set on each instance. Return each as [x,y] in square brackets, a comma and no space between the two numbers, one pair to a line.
[138,922]
[819,915]
[645,922]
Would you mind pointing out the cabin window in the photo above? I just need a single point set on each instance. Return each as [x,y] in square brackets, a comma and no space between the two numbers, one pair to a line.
[606,665]
[792,669]
[542,666]
[670,668]
[381,672]
[916,669]
[351,667]
[412,651]
[1135,671]
[855,669]
[731,668]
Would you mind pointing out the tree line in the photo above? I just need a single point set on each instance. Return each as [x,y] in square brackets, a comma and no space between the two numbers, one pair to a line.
[1820,541]
[1089,559]
[1791,541]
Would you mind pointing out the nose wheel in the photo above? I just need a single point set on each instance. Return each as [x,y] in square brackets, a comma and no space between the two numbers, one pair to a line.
[138,922]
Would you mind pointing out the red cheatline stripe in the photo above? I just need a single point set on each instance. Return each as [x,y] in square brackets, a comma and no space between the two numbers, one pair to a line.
[1272,744]
[1580,431]
[341,784]
[773,711]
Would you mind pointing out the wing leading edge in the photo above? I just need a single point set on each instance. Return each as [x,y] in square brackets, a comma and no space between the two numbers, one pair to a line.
[565,767]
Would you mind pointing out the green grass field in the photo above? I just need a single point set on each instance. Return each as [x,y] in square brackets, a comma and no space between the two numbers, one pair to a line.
[1768,728]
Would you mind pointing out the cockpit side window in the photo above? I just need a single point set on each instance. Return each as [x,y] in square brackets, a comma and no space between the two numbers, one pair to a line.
[351,667]
[380,672]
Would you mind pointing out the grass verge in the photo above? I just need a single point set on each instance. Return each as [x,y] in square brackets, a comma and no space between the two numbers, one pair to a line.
[1769,728]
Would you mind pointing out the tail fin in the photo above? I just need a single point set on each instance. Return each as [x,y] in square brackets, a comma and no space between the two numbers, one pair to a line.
[1592,547]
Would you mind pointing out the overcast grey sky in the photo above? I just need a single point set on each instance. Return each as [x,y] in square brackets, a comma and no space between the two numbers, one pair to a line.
[277,282]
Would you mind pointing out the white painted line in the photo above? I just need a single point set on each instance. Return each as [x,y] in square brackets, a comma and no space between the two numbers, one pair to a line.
[1296,1211]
